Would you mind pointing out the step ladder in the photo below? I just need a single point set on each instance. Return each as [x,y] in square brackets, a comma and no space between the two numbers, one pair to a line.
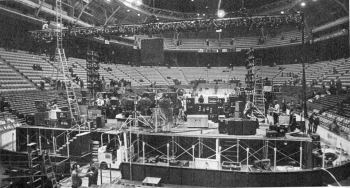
[71,97]
[258,91]
[230,150]
[34,164]
[49,170]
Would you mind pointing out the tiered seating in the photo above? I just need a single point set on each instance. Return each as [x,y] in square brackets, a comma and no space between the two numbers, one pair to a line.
[215,73]
[172,73]
[329,101]
[23,103]
[287,36]
[311,73]
[328,71]
[239,73]
[269,72]
[344,69]
[153,75]
[132,73]
[10,81]
[117,73]
[193,73]
[286,75]
[24,62]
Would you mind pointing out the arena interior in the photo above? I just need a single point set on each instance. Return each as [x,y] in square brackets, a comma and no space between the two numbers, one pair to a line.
[84,81]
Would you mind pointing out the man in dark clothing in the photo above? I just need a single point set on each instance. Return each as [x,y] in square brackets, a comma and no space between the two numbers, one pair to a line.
[92,173]
[81,84]
[311,122]
[316,123]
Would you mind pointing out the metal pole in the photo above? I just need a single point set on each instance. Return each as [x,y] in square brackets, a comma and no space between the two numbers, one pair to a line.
[168,153]
[199,147]
[156,119]
[13,135]
[301,157]
[109,138]
[247,159]
[303,64]
[341,154]
[143,152]
[274,159]
[217,148]
[110,173]
[323,156]
[101,175]
[138,145]
[219,157]
[54,144]
[193,155]
[39,141]
[173,146]
[67,139]
[237,150]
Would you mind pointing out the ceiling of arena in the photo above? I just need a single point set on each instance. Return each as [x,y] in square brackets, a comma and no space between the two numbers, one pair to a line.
[107,12]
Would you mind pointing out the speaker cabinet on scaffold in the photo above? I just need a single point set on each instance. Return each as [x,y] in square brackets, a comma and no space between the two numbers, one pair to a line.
[234,126]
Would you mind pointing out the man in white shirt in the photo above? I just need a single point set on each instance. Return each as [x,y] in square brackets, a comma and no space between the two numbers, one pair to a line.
[276,111]
[100,102]
[46,26]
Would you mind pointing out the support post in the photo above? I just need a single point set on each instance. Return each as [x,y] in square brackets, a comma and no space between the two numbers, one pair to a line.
[54,145]
[168,153]
[237,150]
[125,146]
[247,159]
[199,148]
[138,145]
[173,146]
[217,149]
[39,142]
[13,140]
[301,157]
[143,152]
[155,119]
[219,158]
[67,141]
[274,159]
[193,155]
[110,173]
[323,156]
[341,154]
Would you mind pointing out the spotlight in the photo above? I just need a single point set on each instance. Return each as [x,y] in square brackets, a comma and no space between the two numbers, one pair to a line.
[108,1]
[197,14]
[138,14]
[128,10]
[303,4]
[282,12]
[203,14]
[221,13]
[129,1]
[139,2]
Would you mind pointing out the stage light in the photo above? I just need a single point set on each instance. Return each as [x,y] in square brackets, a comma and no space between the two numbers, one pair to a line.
[108,1]
[203,14]
[139,2]
[282,12]
[197,14]
[302,4]
[129,1]
[138,14]
[221,13]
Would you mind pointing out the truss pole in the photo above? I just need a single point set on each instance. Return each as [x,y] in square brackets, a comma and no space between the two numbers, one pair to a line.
[39,142]
[247,159]
[237,150]
[168,153]
[323,156]
[217,149]
[274,159]
[143,152]
[138,145]
[301,157]
[193,155]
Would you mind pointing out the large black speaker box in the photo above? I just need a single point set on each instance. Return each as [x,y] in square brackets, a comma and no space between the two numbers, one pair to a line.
[249,127]
[30,119]
[39,118]
[83,101]
[100,121]
[222,127]
[190,101]
[234,127]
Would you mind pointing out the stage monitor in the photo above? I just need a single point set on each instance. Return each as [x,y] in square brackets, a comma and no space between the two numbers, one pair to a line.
[152,51]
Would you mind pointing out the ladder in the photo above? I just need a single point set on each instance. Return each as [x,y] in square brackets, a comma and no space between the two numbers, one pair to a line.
[34,165]
[258,92]
[71,97]
[61,59]
[49,170]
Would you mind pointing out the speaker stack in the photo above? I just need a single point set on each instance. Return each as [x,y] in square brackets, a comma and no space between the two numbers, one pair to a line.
[100,121]
[40,117]
[234,126]
[95,146]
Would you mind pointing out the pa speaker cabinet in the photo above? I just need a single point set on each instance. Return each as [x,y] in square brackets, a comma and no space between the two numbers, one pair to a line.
[222,127]
[234,126]
[100,121]
[249,127]
[39,118]
[198,121]
[190,101]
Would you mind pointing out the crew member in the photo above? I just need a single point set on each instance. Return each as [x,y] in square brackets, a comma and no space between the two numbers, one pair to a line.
[100,102]
[248,110]
[92,173]
[76,178]
[276,111]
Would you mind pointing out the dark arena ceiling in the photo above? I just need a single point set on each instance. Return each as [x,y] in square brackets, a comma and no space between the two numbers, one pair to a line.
[110,12]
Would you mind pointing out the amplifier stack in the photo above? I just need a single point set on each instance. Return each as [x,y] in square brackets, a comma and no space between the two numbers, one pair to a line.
[238,126]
